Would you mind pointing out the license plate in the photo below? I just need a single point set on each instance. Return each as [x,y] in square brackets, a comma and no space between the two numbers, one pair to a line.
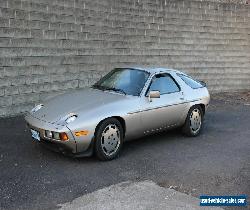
[35,135]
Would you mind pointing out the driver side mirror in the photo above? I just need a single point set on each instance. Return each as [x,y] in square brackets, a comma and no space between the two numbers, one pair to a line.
[153,94]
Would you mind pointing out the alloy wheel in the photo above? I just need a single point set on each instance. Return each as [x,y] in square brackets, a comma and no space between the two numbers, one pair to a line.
[110,139]
[195,120]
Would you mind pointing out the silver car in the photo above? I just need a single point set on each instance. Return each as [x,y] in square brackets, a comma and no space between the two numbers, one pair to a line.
[125,104]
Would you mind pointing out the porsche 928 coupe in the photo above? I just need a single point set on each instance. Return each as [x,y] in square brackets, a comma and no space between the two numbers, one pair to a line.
[125,104]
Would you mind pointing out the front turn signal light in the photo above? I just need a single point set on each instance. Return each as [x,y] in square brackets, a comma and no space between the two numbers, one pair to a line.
[63,136]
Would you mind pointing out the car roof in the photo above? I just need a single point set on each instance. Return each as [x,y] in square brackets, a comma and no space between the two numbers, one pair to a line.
[153,70]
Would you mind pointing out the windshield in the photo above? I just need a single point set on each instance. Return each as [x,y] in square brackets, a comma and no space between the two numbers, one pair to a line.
[126,81]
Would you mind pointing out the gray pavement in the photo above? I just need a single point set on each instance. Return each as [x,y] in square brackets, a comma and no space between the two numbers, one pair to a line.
[135,195]
[215,163]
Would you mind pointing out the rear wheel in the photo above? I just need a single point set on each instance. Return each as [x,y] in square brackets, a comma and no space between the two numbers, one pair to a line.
[194,121]
[109,139]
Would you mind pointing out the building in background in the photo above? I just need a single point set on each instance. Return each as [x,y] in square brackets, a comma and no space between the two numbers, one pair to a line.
[48,47]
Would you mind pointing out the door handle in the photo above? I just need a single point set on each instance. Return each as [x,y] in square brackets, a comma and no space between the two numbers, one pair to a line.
[181,98]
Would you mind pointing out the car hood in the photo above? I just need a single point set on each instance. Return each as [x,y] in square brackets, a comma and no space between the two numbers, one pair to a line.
[54,110]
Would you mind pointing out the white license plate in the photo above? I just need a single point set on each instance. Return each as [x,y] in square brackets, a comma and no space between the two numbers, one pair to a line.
[35,135]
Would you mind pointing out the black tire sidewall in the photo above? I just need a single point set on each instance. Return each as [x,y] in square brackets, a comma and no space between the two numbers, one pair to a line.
[98,148]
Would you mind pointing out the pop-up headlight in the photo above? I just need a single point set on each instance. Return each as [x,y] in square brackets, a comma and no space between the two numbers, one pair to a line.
[36,108]
[71,119]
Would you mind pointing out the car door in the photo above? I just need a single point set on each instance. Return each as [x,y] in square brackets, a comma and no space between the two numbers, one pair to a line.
[166,111]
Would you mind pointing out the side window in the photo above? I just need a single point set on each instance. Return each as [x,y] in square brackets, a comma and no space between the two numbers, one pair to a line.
[164,83]
[190,82]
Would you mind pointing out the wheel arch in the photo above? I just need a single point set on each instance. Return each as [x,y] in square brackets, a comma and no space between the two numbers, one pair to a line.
[203,107]
[120,119]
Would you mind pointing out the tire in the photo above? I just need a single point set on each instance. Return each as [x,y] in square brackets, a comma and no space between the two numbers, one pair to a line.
[109,139]
[194,122]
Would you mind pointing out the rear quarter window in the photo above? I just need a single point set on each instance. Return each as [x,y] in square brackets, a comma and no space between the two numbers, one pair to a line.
[191,82]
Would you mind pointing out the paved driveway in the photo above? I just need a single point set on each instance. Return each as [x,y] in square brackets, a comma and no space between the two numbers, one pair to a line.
[217,162]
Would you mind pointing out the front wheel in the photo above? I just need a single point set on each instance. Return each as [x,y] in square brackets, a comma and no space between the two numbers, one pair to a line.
[194,121]
[109,139]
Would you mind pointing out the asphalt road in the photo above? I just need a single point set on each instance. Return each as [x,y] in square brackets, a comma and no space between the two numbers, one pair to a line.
[215,163]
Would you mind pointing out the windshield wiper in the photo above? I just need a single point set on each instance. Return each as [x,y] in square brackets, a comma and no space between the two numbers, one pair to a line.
[116,90]
[100,87]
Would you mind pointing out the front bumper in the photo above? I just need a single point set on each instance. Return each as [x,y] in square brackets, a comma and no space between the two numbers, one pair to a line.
[68,147]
